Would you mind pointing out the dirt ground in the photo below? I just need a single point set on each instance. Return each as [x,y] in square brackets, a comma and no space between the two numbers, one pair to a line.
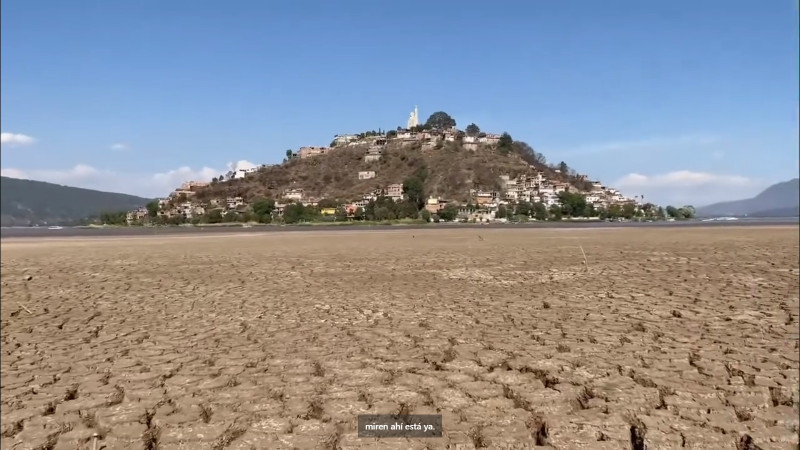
[667,338]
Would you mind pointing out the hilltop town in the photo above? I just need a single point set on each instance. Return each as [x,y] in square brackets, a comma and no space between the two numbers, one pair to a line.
[506,180]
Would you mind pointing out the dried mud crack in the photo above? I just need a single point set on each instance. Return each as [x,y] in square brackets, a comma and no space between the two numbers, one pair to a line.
[281,340]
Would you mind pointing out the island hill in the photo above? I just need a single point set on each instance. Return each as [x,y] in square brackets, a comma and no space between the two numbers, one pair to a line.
[427,171]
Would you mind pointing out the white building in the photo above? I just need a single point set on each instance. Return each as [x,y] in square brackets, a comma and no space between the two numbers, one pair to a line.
[344,139]
[293,194]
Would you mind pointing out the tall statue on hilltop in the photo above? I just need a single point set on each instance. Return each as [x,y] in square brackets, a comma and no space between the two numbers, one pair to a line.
[413,118]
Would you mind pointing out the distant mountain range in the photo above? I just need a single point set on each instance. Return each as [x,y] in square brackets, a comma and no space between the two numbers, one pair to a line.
[27,203]
[778,200]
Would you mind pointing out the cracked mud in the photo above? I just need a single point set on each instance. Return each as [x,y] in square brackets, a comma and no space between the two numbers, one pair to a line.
[683,338]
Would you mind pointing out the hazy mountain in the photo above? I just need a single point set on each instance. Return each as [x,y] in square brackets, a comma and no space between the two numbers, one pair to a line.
[27,202]
[778,200]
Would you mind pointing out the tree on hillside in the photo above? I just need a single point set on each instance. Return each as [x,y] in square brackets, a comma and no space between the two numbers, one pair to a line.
[152,209]
[289,154]
[414,189]
[263,208]
[506,143]
[563,167]
[440,120]
[472,130]
[528,154]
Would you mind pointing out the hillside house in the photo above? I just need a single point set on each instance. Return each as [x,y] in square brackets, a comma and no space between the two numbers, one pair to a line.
[307,152]
[344,139]
[136,215]
[233,202]
[373,154]
[293,194]
[366,174]
[484,197]
[395,191]
[490,139]
[432,205]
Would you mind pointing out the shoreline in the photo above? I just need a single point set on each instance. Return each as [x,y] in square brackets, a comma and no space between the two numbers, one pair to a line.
[42,233]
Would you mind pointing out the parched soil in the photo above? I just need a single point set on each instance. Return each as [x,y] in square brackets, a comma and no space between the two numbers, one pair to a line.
[662,338]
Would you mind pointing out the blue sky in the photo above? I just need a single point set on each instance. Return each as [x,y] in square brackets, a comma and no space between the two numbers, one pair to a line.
[682,101]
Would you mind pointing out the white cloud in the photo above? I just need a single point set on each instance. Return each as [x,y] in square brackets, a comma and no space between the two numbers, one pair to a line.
[16,139]
[119,147]
[685,187]
[242,164]
[145,185]
[642,144]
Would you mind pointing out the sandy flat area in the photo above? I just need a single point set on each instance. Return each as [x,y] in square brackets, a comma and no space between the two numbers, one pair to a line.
[666,338]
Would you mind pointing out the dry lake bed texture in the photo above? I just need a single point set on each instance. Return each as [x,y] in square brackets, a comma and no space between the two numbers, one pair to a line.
[657,339]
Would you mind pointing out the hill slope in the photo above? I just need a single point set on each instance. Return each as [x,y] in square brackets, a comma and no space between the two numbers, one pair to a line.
[449,172]
[28,202]
[781,199]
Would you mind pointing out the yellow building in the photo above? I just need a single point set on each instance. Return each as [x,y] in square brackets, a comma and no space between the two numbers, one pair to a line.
[328,211]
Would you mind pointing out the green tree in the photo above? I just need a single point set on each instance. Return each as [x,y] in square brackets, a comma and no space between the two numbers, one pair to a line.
[540,211]
[152,209]
[686,212]
[327,203]
[341,214]
[523,208]
[414,189]
[440,120]
[672,212]
[506,143]
[359,213]
[295,213]
[528,154]
[501,212]
[231,216]
[391,134]
[555,213]
[628,210]
[114,218]
[563,167]
[215,216]
[382,213]
[572,203]
[263,207]
[407,209]
[289,154]
[425,215]
[472,130]
[448,213]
